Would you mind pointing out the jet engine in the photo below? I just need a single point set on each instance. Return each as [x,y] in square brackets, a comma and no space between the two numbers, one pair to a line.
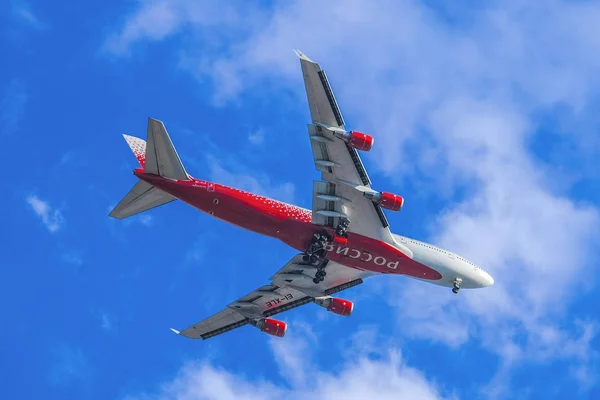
[387,200]
[335,305]
[358,140]
[272,326]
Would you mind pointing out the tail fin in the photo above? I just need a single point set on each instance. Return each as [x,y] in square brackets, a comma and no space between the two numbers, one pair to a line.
[157,156]
[161,157]
[138,146]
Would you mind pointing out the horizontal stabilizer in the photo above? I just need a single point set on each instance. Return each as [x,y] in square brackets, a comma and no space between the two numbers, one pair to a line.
[142,197]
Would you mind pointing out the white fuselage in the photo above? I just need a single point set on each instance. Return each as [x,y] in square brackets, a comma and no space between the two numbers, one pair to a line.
[450,265]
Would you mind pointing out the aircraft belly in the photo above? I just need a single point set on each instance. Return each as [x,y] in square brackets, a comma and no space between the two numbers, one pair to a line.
[291,225]
[360,252]
[380,260]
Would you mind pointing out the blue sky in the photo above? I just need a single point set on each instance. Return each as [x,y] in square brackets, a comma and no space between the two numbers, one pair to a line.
[485,119]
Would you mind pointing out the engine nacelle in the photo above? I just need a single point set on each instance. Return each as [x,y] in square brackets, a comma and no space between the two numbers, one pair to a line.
[391,201]
[387,200]
[358,140]
[335,305]
[272,327]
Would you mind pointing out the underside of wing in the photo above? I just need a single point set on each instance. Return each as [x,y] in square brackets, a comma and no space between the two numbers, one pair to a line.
[342,198]
[291,287]
[344,191]
[221,322]
[321,101]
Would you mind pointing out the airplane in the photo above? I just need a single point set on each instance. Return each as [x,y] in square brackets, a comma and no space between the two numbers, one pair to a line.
[344,239]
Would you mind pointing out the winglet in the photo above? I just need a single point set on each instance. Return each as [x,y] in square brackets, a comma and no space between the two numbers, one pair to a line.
[302,56]
[175,330]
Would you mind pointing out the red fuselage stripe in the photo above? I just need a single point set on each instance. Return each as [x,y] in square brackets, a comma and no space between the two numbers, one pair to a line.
[290,224]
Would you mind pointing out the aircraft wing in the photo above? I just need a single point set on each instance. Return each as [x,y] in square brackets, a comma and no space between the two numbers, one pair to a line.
[291,287]
[344,179]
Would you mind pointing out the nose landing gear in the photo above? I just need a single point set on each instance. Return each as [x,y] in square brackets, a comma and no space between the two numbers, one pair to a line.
[456,286]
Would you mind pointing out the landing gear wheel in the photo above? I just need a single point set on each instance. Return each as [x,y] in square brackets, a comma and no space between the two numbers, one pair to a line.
[342,227]
[316,250]
[316,254]
[321,253]
[456,286]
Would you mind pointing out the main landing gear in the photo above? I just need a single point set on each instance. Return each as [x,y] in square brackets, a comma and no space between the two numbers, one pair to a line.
[320,274]
[316,249]
[341,231]
[456,287]
[316,253]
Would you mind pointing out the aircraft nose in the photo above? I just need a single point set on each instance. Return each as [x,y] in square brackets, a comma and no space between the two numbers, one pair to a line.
[487,280]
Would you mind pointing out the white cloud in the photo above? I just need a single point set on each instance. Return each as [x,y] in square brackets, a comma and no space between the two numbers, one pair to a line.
[107,321]
[146,219]
[259,184]
[52,218]
[12,105]
[467,97]
[73,257]
[361,378]
[257,137]
[157,19]
[22,11]
[70,364]
[294,356]
[425,316]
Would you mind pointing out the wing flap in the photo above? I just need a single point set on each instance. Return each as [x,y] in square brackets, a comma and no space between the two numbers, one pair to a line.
[283,294]
[343,174]
[321,101]
[220,322]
